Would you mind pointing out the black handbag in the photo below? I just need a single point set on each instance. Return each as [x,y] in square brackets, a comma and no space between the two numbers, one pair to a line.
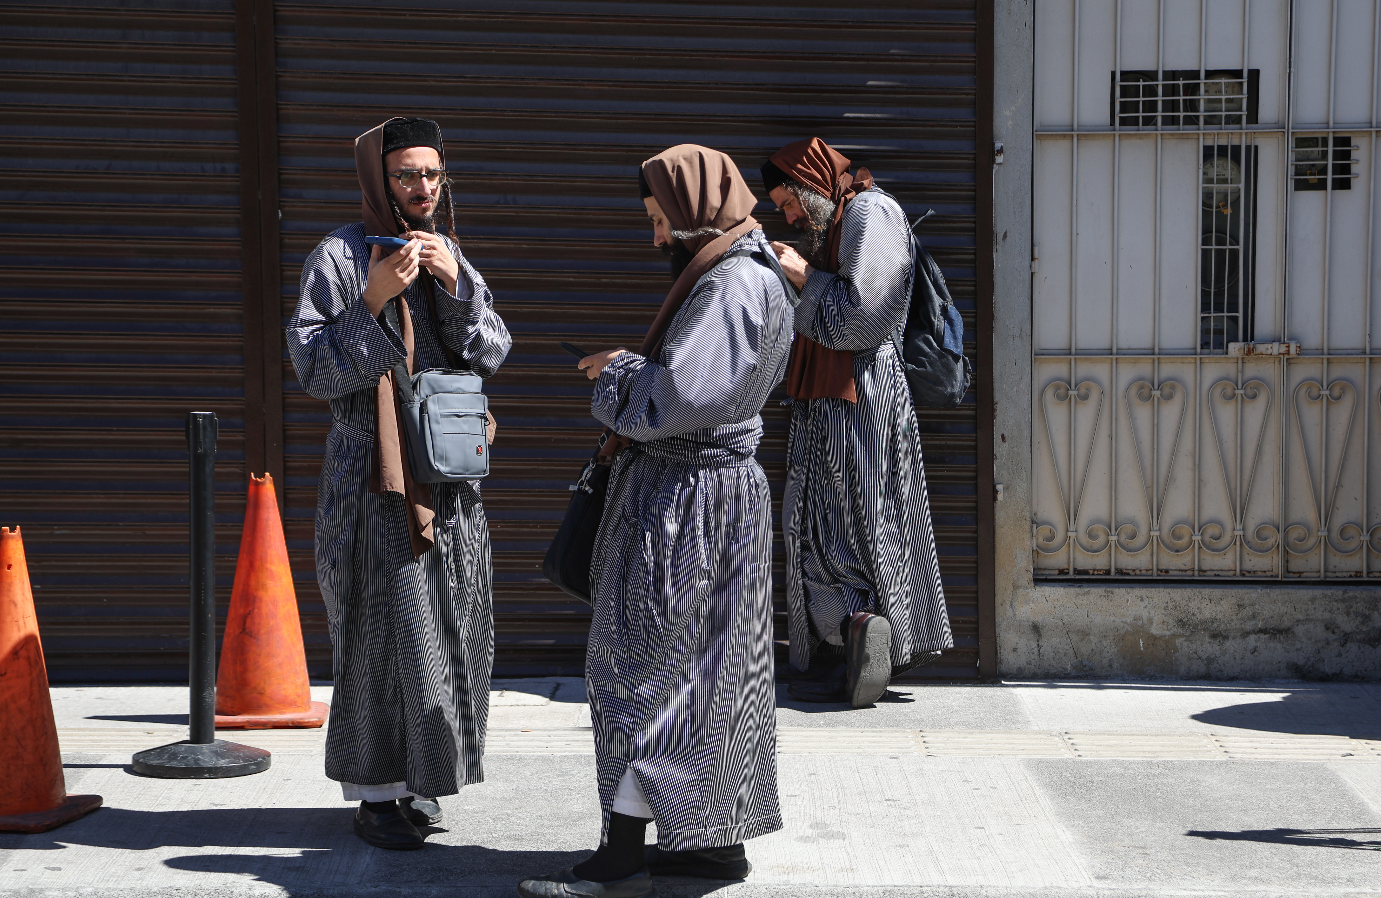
[567,563]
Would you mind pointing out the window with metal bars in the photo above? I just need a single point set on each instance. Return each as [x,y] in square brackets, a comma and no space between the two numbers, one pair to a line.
[1184,98]
[1227,246]
[1311,162]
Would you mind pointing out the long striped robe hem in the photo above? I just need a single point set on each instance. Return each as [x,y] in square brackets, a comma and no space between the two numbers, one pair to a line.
[413,639]
[856,513]
[680,660]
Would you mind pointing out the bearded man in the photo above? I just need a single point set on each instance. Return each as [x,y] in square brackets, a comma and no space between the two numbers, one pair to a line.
[404,568]
[862,570]
[679,664]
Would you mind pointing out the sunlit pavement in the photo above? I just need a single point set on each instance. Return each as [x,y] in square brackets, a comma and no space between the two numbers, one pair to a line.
[1040,789]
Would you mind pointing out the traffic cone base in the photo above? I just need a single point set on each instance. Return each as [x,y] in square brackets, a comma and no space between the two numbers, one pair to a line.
[72,807]
[262,682]
[313,717]
[33,791]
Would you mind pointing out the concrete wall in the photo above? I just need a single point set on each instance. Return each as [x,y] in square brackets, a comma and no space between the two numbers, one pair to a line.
[1201,630]
[1213,631]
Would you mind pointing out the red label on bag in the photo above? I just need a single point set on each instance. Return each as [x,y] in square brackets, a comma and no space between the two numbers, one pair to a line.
[479,450]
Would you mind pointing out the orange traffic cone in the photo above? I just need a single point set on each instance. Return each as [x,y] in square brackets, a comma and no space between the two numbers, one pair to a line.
[33,793]
[262,680]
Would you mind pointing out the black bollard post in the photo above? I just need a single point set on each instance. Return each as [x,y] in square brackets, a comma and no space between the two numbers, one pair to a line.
[201,448]
[202,756]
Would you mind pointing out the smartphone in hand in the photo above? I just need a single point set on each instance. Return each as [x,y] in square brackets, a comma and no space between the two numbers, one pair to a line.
[387,244]
[573,349]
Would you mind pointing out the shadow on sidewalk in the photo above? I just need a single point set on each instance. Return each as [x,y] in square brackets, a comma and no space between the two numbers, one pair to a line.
[166,719]
[305,851]
[1315,838]
[1305,712]
[784,700]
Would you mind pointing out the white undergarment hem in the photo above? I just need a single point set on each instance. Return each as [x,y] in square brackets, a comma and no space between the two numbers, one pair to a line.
[629,800]
[386,792]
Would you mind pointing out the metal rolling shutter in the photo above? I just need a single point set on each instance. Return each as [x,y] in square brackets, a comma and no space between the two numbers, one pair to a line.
[120,310]
[547,108]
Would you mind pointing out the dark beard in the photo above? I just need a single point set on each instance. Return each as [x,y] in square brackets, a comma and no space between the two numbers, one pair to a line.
[812,243]
[815,231]
[425,223]
[679,255]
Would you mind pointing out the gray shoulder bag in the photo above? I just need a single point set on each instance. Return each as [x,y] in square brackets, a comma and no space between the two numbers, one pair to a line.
[445,415]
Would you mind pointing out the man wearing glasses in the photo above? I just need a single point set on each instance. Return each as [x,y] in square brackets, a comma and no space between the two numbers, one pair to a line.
[404,568]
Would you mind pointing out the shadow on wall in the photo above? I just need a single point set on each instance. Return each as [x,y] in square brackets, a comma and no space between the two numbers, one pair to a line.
[1306,712]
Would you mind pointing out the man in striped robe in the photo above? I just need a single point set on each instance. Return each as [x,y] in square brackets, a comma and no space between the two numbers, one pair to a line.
[404,568]
[679,665]
[863,576]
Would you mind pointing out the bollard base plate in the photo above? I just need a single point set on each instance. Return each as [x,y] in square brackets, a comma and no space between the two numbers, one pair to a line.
[201,761]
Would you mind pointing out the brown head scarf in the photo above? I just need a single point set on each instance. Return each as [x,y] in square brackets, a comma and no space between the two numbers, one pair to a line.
[816,372]
[697,188]
[392,473]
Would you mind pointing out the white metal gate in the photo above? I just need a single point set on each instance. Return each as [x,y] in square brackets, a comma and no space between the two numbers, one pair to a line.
[1205,396]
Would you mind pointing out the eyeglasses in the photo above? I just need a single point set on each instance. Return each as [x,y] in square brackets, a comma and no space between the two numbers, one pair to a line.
[411,177]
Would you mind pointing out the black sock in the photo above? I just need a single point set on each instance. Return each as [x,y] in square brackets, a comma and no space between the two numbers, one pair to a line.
[381,807]
[622,853]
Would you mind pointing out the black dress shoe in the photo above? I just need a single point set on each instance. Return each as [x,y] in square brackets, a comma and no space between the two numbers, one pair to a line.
[420,811]
[567,885]
[828,687]
[387,830]
[868,653]
[729,862]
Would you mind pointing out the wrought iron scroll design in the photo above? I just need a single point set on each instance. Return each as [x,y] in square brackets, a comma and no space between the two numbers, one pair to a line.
[1265,537]
[1179,538]
[1323,497]
[1047,540]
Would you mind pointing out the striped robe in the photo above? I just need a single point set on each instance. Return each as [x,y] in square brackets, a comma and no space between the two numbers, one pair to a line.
[855,514]
[413,639]
[679,664]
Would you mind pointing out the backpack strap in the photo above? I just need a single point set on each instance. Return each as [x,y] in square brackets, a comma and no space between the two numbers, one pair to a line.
[917,222]
[916,263]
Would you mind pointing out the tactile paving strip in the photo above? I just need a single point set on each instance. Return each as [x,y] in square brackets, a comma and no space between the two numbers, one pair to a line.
[1241,746]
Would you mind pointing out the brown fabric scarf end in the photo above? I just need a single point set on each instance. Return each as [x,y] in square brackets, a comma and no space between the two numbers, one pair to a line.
[814,371]
[392,473]
[818,372]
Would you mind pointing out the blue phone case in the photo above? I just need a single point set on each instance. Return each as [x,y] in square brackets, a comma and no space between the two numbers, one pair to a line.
[388,243]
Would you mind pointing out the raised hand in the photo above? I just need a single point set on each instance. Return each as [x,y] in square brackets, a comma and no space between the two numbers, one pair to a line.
[793,265]
[594,363]
[436,257]
[389,276]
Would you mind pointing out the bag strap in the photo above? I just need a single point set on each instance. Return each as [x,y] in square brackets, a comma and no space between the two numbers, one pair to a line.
[917,222]
[429,287]
[402,381]
[920,260]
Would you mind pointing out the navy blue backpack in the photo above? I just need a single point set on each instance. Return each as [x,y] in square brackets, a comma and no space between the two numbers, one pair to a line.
[931,342]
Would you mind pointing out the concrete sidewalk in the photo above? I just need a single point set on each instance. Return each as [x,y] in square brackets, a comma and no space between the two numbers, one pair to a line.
[1024,789]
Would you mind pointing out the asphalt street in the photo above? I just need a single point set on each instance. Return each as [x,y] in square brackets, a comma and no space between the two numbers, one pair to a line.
[1087,789]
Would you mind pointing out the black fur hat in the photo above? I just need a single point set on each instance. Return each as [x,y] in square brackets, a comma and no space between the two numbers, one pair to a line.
[412,132]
